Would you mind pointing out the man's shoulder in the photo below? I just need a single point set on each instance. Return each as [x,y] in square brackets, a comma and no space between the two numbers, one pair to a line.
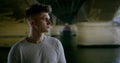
[52,39]
[19,43]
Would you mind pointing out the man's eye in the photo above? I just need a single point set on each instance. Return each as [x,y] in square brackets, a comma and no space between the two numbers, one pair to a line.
[44,18]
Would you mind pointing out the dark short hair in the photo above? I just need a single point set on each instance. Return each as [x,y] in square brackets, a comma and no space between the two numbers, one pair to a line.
[36,9]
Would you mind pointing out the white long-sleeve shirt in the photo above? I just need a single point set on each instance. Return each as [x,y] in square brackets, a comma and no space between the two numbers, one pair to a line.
[48,51]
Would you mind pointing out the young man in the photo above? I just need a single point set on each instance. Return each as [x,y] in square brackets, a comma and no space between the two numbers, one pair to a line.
[37,47]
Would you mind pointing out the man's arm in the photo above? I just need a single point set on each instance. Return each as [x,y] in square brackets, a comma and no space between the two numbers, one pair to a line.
[14,55]
[61,58]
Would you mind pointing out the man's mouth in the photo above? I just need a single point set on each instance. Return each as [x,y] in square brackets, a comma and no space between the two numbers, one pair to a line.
[48,26]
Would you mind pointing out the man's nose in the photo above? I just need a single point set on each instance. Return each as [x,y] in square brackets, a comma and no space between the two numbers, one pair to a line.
[48,22]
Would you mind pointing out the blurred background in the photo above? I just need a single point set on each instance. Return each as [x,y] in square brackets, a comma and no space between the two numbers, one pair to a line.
[88,29]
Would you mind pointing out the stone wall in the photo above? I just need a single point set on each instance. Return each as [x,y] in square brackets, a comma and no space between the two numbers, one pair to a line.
[97,33]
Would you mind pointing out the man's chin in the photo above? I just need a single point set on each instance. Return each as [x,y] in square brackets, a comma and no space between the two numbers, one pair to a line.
[45,31]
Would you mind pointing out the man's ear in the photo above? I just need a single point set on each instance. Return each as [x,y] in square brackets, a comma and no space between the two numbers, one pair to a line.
[31,22]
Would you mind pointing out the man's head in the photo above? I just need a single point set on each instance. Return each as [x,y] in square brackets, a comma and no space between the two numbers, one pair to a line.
[38,17]
[35,9]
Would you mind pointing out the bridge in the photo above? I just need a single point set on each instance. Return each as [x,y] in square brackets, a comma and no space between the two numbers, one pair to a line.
[83,10]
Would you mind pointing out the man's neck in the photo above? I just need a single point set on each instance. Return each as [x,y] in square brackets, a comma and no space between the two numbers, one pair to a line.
[35,38]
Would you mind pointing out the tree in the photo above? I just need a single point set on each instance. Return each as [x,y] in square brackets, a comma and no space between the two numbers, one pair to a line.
[14,8]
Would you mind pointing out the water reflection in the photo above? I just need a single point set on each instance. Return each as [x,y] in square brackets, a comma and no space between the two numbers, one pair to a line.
[98,55]
[88,55]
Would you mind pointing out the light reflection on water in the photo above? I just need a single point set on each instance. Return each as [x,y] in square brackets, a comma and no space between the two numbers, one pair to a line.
[89,55]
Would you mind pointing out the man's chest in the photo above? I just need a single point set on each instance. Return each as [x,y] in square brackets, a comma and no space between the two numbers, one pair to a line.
[39,55]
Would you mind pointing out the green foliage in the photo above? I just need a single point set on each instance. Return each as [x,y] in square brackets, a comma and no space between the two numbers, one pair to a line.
[4,18]
[16,7]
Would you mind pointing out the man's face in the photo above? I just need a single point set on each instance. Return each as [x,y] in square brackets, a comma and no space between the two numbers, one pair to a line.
[42,22]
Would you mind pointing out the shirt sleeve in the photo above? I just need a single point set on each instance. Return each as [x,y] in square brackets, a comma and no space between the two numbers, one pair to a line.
[61,55]
[14,55]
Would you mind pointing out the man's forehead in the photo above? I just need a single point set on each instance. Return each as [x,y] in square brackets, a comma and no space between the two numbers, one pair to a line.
[44,15]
